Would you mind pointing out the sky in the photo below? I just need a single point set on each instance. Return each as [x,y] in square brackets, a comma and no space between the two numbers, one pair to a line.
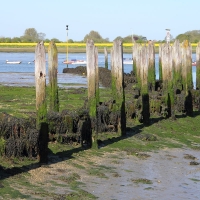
[110,18]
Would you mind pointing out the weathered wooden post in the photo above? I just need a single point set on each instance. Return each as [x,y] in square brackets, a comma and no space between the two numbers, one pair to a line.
[138,51]
[41,106]
[53,71]
[117,76]
[151,67]
[198,66]
[106,57]
[198,71]
[93,97]
[177,62]
[144,63]
[134,55]
[160,61]
[187,76]
[167,75]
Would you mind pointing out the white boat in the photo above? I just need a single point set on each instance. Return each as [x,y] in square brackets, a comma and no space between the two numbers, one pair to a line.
[128,61]
[75,62]
[79,62]
[13,62]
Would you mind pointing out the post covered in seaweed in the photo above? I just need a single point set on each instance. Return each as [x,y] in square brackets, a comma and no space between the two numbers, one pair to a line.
[198,66]
[187,76]
[160,61]
[41,106]
[151,67]
[53,71]
[117,78]
[106,57]
[167,75]
[93,92]
[144,84]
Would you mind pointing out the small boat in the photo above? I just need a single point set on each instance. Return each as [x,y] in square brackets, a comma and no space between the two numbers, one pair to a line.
[79,62]
[13,62]
[127,61]
[194,63]
[75,62]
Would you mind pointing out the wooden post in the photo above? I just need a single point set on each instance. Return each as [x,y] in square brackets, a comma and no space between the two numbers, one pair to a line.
[187,75]
[151,67]
[41,106]
[117,70]
[138,64]
[106,57]
[53,71]
[160,61]
[144,84]
[198,66]
[134,55]
[198,71]
[92,63]
[167,75]
[177,62]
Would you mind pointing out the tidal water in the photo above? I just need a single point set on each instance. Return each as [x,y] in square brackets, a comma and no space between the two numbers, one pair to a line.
[23,74]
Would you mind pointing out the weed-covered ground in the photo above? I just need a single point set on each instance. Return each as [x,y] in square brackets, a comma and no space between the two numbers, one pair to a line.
[158,161]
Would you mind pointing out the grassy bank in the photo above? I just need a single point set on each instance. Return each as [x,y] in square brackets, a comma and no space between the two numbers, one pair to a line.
[22,178]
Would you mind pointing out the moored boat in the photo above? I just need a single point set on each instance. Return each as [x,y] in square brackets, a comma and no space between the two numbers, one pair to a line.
[194,63]
[13,62]
[75,62]
[127,61]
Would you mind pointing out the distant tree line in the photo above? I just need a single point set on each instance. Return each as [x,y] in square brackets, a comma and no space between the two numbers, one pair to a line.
[31,35]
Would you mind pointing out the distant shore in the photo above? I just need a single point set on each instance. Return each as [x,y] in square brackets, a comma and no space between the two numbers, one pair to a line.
[60,50]
[70,50]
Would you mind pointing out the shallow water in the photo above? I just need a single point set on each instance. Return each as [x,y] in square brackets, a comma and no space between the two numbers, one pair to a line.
[12,74]
[171,174]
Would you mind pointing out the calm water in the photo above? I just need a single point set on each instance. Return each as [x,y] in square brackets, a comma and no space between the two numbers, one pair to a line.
[23,74]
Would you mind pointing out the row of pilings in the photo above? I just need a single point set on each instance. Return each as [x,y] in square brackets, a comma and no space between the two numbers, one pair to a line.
[173,93]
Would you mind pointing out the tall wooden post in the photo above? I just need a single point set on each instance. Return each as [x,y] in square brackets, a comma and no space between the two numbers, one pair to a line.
[151,67]
[53,71]
[167,75]
[198,71]
[117,70]
[160,61]
[177,62]
[41,106]
[106,57]
[93,97]
[144,84]
[138,67]
[134,55]
[187,75]
[198,66]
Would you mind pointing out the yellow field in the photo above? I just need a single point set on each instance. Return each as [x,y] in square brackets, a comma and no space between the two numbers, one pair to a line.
[72,44]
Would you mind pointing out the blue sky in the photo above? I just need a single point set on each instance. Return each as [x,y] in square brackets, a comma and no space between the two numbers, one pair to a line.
[111,18]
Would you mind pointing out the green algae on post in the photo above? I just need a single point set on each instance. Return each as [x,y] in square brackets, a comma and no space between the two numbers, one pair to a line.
[117,74]
[41,106]
[53,71]
[93,84]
